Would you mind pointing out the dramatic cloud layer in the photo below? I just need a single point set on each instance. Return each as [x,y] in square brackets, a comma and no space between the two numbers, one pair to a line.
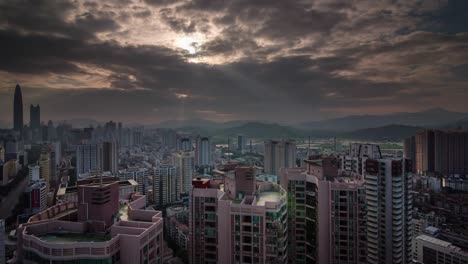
[286,61]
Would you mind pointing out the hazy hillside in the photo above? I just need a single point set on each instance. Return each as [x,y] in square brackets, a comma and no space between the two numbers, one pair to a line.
[430,118]
[390,133]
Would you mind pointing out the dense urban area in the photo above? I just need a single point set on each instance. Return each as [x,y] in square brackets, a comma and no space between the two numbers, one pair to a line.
[118,194]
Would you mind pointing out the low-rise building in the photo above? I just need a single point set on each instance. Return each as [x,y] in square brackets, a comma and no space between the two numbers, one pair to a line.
[58,236]
[431,250]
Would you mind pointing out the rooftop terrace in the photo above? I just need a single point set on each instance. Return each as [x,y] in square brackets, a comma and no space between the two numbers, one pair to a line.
[267,196]
[61,238]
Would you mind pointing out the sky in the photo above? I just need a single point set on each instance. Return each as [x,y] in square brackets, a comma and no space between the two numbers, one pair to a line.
[145,61]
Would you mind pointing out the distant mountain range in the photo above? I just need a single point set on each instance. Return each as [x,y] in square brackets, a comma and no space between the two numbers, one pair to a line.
[262,130]
[384,133]
[197,122]
[432,118]
[395,126]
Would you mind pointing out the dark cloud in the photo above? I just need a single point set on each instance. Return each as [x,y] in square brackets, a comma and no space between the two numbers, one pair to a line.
[269,18]
[176,23]
[162,2]
[97,23]
[280,60]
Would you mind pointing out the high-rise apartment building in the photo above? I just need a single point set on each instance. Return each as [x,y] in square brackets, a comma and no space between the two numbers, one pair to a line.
[166,187]
[51,131]
[354,161]
[36,193]
[138,174]
[34,117]
[109,156]
[34,172]
[279,154]
[185,163]
[241,143]
[424,141]
[451,152]
[440,152]
[18,110]
[327,220]
[371,151]
[302,214]
[44,164]
[389,205]
[87,158]
[137,137]
[236,220]
[184,143]
[169,139]
[203,152]
[410,151]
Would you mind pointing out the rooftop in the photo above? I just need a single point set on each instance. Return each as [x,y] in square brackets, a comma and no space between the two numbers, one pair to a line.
[61,238]
[267,196]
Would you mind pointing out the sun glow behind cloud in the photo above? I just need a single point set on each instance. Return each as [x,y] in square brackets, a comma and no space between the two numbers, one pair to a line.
[189,43]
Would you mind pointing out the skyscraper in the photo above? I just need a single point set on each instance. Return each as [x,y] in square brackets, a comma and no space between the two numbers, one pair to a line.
[185,163]
[389,205]
[35,117]
[166,187]
[34,172]
[203,151]
[110,156]
[18,110]
[326,215]
[44,163]
[87,158]
[184,143]
[279,154]
[441,152]
[424,142]
[241,143]
[410,151]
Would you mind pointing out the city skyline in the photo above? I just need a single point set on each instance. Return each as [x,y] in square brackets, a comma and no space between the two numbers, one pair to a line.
[234,131]
[147,61]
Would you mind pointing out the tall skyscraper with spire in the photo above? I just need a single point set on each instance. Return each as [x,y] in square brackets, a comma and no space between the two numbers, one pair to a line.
[18,110]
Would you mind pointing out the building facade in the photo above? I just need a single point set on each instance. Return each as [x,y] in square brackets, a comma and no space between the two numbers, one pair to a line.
[185,163]
[110,156]
[135,236]
[203,152]
[389,206]
[243,222]
[430,250]
[87,158]
[166,187]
